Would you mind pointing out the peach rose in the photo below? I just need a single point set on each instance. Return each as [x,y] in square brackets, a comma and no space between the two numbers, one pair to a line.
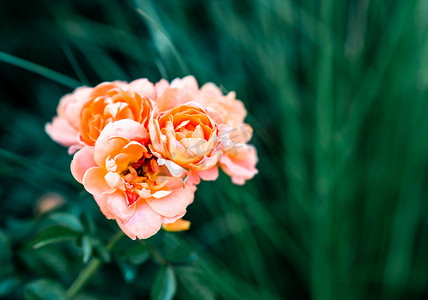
[187,136]
[127,182]
[113,101]
[64,128]
[238,159]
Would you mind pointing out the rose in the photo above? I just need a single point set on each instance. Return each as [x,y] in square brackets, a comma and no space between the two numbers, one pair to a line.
[238,159]
[187,136]
[113,101]
[64,128]
[127,182]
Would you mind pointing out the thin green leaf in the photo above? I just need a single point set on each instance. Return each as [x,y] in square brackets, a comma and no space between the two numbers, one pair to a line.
[159,28]
[165,284]
[35,68]
[55,234]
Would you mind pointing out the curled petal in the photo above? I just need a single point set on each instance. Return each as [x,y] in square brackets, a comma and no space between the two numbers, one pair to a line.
[95,183]
[82,161]
[143,224]
[125,130]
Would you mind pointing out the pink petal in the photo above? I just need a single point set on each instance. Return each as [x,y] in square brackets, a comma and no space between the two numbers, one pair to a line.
[143,224]
[125,129]
[82,161]
[175,203]
[114,206]
[143,87]
[95,183]
[160,87]
[62,132]
[188,83]
[173,97]
[210,174]
[240,163]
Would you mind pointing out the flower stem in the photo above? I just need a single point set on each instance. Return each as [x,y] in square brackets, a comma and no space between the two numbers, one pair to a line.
[91,268]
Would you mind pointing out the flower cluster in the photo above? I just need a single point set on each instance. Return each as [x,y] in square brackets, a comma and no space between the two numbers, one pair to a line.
[142,148]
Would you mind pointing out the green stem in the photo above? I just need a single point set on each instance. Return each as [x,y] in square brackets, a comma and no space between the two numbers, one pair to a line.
[91,268]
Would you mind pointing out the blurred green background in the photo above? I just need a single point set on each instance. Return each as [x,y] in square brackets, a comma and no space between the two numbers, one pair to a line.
[337,95]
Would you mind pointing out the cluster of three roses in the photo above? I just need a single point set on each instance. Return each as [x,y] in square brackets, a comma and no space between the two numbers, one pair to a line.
[142,148]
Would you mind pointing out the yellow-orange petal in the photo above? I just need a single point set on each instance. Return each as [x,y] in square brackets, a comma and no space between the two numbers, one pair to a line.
[179,225]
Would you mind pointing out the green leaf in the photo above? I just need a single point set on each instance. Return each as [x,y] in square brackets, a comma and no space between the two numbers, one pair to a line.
[7,286]
[194,283]
[87,248]
[137,254]
[5,250]
[129,270]
[54,234]
[44,289]
[38,69]
[165,284]
[182,255]
[101,252]
[67,220]
[88,223]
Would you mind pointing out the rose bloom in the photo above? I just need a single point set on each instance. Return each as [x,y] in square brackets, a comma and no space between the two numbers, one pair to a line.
[238,159]
[64,128]
[127,182]
[84,113]
[113,101]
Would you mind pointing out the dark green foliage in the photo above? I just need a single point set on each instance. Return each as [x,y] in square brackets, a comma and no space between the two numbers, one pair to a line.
[336,92]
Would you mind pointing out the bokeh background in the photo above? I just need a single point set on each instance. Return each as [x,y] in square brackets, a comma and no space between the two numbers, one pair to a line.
[337,94]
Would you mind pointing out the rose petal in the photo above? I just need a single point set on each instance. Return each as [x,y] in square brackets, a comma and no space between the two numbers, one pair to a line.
[114,206]
[143,224]
[125,129]
[62,132]
[143,87]
[210,174]
[240,163]
[174,203]
[82,161]
[95,183]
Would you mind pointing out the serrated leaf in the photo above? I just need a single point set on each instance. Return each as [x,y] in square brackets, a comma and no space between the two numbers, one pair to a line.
[54,234]
[165,284]
[67,220]
[86,248]
[44,289]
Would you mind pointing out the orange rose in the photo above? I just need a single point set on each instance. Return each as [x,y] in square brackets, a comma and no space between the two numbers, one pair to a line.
[113,101]
[127,182]
[187,136]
